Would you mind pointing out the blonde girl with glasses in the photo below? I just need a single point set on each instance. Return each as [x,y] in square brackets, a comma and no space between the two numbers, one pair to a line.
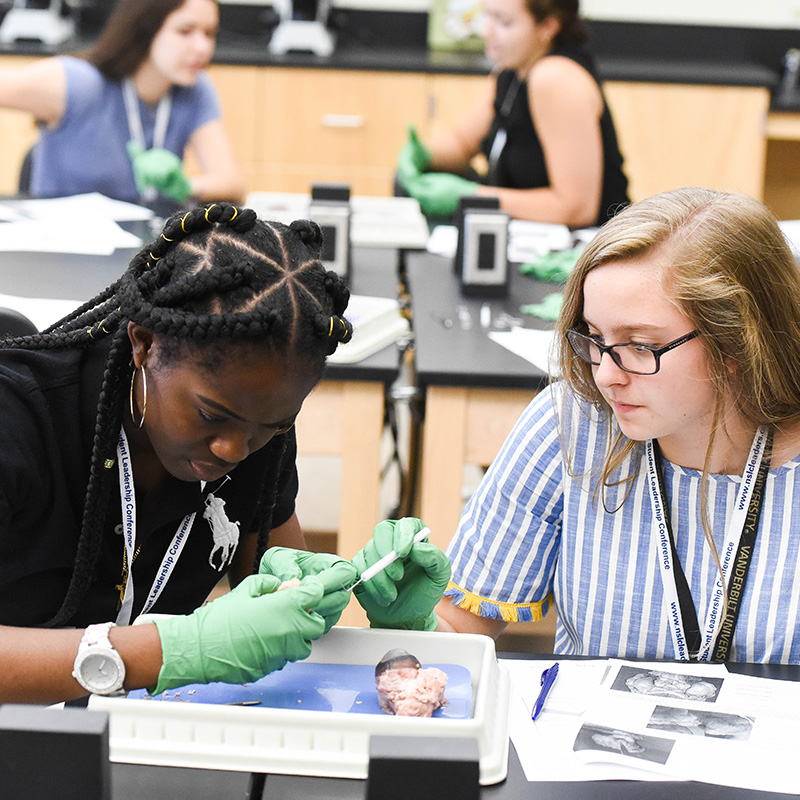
[652,495]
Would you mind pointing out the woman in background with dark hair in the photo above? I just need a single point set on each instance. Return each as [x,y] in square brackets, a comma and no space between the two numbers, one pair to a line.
[543,125]
[119,118]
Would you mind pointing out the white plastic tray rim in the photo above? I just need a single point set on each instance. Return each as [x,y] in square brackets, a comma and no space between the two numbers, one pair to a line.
[328,744]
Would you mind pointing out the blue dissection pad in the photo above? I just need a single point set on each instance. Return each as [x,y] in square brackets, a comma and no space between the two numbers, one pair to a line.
[308,686]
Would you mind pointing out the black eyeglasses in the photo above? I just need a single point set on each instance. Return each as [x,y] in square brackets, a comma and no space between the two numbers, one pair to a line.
[639,359]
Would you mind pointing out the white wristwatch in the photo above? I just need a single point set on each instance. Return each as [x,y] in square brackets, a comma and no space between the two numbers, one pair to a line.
[98,666]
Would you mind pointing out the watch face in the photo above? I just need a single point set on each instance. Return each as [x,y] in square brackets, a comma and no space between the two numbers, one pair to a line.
[100,672]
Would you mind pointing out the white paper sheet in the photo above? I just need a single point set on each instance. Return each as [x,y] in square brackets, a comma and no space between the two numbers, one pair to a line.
[90,205]
[699,723]
[544,747]
[532,344]
[529,240]
[443,241]
[657,721]
[83,224]
[87,236]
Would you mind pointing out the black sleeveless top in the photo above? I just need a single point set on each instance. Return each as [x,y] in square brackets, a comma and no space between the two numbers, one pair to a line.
[521,163]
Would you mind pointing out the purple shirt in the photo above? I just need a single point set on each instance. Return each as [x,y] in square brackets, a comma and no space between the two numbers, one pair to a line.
[86,151]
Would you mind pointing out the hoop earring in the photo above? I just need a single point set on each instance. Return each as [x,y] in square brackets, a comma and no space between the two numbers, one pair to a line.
[144,398]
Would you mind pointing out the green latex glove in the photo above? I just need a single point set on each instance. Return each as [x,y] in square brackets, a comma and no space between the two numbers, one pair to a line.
[548,309]
[405,593]
[555,266]
[438,193]
[161,169]
[414,158]
[333,572]
[242,635]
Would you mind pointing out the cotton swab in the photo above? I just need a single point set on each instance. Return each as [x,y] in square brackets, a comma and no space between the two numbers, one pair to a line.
[389,558]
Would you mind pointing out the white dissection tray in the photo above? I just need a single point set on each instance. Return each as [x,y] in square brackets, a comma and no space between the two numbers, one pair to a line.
[293,741]
[377,323]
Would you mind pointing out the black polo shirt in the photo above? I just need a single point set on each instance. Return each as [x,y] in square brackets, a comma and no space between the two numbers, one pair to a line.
[48,402]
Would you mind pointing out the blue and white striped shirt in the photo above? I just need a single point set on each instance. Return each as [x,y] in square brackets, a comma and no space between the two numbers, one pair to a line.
[532,533]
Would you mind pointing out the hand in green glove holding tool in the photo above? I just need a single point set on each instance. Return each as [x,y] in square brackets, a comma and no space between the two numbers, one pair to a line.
[243,635]
[333,572]
[254,629]
[160,169]
[405,593]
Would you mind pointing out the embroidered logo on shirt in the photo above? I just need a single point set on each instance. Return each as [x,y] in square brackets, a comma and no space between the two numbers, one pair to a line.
[224,531]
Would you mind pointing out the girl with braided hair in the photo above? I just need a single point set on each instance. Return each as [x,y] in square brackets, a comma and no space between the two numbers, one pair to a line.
[148,449]
[118,118]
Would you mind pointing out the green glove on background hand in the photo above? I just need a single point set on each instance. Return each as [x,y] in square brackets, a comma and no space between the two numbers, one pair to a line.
[414,158]
[242,635]
[548,309]
[438,193]
[405,593]
[555,266]
[332,571]
[161,169]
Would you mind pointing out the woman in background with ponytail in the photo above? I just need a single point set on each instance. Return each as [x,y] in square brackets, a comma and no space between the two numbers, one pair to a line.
[148,449]
[542,124]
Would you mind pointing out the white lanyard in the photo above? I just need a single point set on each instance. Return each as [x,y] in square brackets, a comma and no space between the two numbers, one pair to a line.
[128,501]
[732,536]
[135,126]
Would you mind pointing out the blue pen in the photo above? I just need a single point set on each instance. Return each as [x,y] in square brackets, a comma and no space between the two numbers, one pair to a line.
[548,679]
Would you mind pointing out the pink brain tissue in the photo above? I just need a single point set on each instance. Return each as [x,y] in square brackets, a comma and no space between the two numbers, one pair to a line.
[405,688]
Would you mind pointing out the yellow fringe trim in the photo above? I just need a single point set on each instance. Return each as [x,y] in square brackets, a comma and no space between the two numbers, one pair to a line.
[509,612]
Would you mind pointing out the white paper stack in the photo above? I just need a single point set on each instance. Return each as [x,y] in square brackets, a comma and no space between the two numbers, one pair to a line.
[377,323]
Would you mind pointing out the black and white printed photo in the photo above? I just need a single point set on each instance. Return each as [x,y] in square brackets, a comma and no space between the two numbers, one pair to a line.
[625,743]
[691,722]
[667,684]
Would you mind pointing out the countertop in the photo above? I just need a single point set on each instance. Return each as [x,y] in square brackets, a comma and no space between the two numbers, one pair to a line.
[240,49]
[252,50]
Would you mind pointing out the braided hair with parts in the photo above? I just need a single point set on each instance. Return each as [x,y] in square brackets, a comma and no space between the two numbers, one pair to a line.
[214,275]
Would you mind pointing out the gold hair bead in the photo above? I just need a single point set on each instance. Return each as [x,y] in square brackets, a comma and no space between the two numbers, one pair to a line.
[109,463]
